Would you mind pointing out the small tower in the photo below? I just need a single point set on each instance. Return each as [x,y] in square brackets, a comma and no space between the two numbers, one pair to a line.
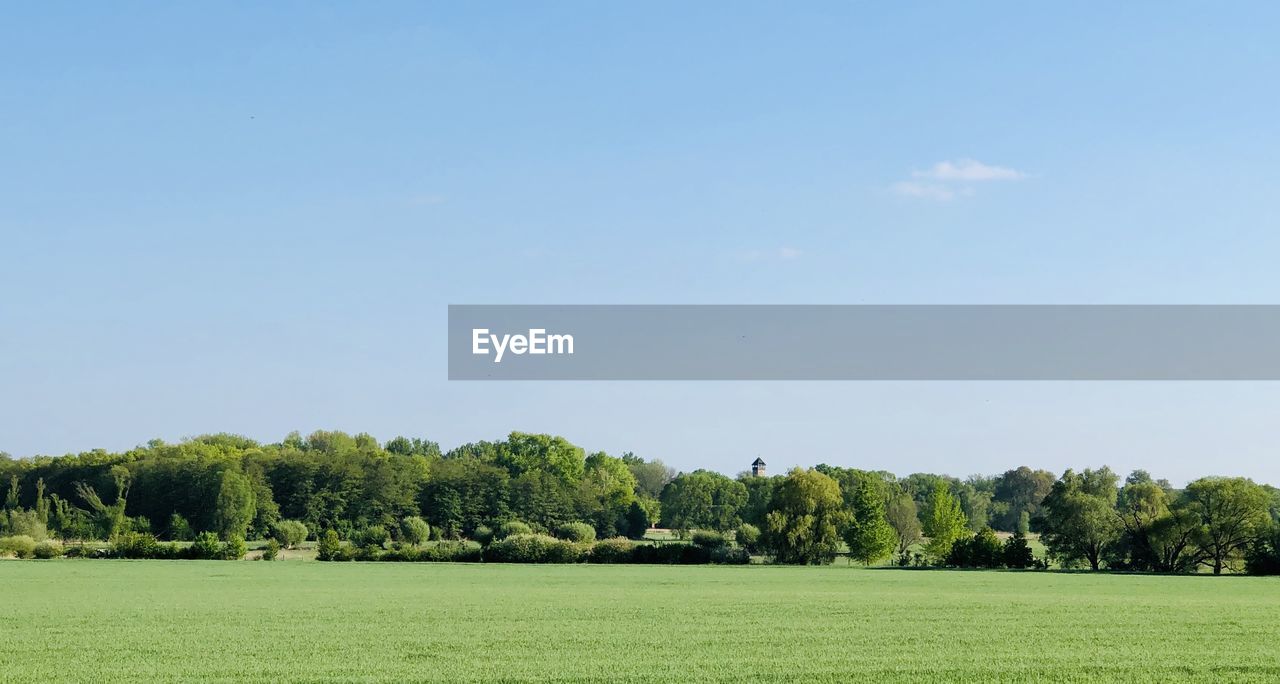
[757,467]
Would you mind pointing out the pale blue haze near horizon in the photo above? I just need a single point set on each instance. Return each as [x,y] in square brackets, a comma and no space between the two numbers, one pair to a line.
[251,218]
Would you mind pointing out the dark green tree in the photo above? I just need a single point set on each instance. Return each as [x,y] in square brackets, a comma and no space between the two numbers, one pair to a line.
[1080,520]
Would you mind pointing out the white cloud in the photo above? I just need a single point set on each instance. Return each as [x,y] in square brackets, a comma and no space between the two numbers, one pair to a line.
[970,170]
[931,191]
[947,180]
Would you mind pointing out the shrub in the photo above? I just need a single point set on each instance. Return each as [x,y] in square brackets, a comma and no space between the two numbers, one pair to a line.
[671,554]
[135,545]
[414,530]
[80,551]
[1263,556]
[24,523]
[730,555]
[576,532]
[271,550]
[482,534]
[234,548]
[48,549]
[140,523]
[180,529]
[401,553]
[748,537]
[20,545]
[708,539]
[1017,552]
[451,552]
[614,550]
[535,548]
[637,520]
[207,546]
[329,548]
[373,536]
[513,528]
[289,533]
[982,550]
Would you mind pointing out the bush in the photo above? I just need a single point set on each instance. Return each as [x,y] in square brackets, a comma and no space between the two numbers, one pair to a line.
[748,537]
[80,551]
[982,550]
[614,550]
[20,545]
[535,548]
[48,549]
[708,539]
[513,528]
[730,555]
[1017,552]
[671,554]
[374,536]
[234,548]
[451,552]
[329,548]
[1263,556]
[24,523]
[414,530]
[140,523]
[135,545]
[289,533]
[180,529]
[637,520]
[271,550]
[576,532]
[207,546]
[483,534]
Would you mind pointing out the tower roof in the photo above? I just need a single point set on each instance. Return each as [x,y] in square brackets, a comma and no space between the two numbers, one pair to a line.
[758,462]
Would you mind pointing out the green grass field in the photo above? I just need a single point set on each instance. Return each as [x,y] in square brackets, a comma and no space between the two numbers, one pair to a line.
[207,620]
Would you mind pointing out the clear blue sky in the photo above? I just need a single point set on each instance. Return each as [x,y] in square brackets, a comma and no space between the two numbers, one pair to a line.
[251,218]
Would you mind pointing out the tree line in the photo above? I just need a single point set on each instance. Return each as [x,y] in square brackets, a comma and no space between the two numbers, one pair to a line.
[228,488]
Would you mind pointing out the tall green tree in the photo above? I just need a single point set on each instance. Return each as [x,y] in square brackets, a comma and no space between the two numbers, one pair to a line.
[651,476]
[1157,534]
[868,535]
[11,498]
[904,518]
[524,452]
[1080,521]
[703,500]
[1232,512]
[1017,496]
[235,505]
[804,520]
[944,522]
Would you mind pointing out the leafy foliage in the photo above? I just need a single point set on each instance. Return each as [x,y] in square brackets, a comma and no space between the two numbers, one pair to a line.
[289,533]
[576,532]
[944,521]
[1080,521]
[804,520]
[868,535]
[414,530]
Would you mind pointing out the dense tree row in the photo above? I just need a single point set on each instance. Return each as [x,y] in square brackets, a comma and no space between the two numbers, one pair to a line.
[360,489]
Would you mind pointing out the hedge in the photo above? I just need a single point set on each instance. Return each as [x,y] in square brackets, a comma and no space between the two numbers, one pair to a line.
[535,548]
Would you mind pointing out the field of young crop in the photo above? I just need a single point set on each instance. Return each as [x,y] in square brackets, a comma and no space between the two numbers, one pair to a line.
[99,621]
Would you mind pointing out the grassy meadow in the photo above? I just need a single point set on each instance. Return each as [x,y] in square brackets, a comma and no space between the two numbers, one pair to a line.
[69,620]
